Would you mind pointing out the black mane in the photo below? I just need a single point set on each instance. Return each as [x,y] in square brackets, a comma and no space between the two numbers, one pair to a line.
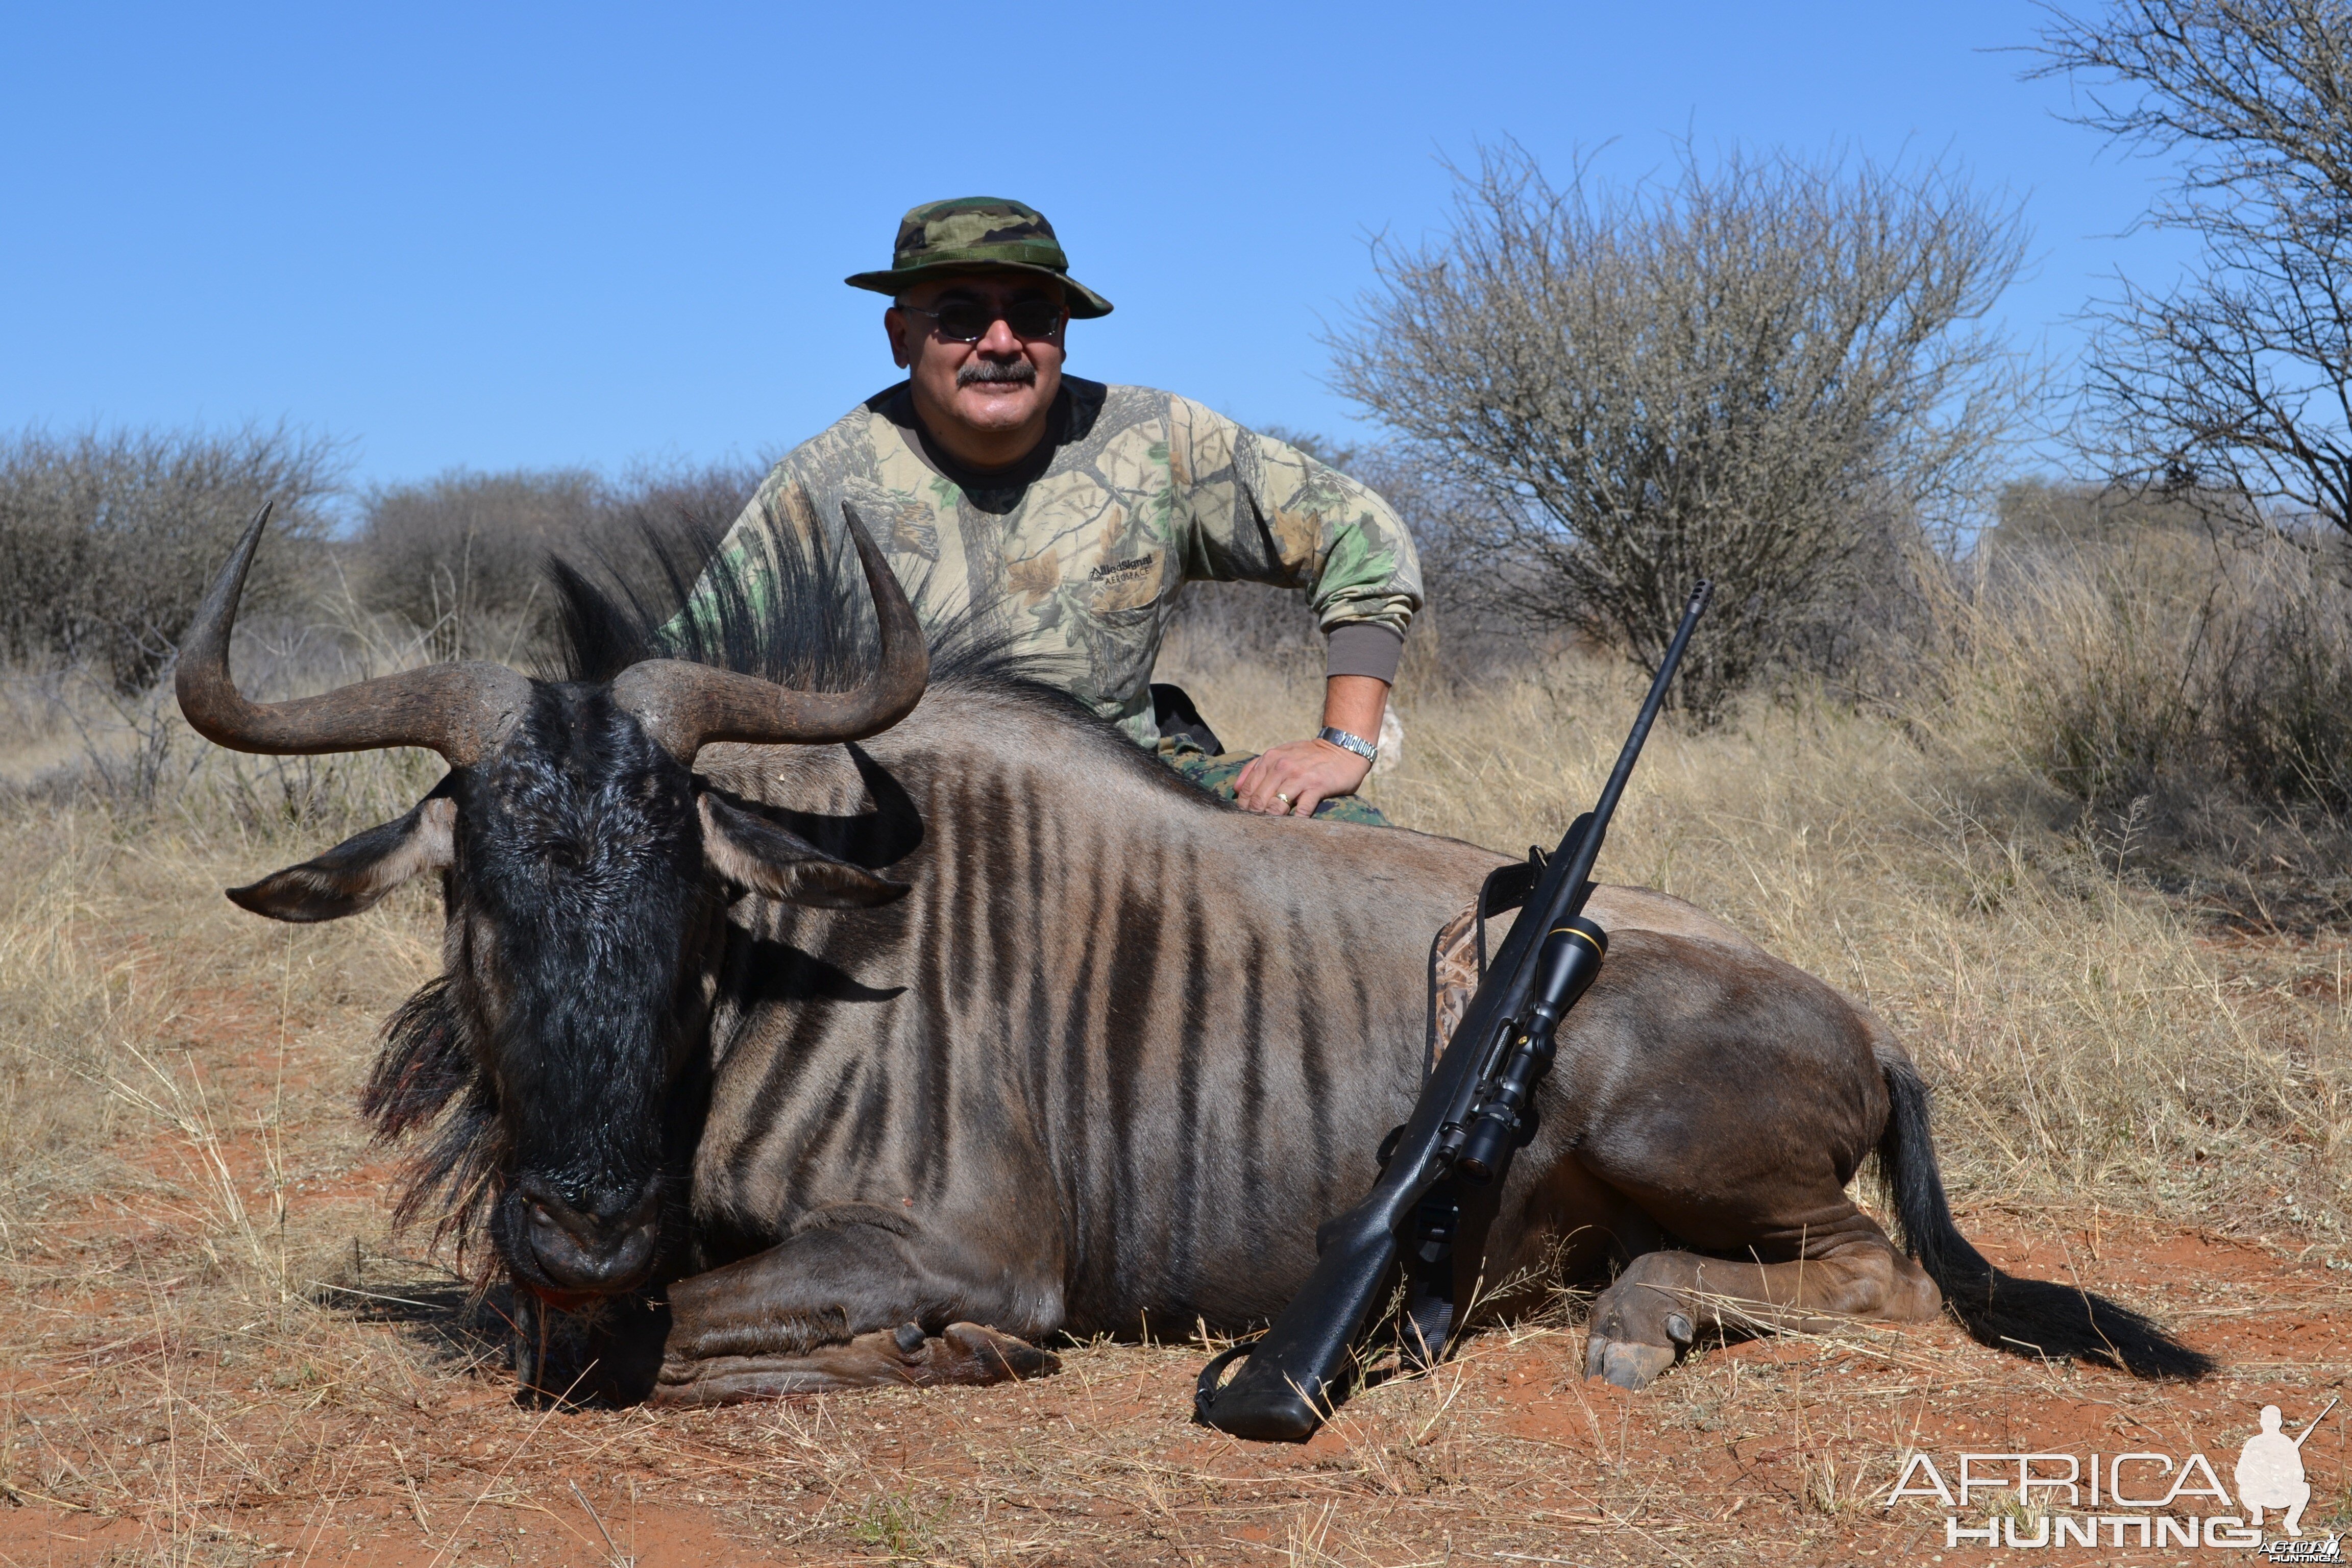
[816,630]
[788,609]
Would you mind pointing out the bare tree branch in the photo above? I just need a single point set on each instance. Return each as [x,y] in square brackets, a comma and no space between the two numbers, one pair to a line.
[1759,374]
[2239,382]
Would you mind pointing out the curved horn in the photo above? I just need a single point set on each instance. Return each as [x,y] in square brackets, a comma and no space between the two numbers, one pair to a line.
[461,711]
[687,706]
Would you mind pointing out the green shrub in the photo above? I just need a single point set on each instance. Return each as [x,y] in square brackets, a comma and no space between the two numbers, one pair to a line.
[108,540]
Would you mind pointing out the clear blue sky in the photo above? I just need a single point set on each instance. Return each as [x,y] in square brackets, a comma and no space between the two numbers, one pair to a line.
[525,236]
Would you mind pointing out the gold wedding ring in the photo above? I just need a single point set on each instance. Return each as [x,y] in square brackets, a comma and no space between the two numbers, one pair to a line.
[1282,797]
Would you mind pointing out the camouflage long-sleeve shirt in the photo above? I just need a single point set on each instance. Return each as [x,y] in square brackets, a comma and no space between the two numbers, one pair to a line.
[1082,550]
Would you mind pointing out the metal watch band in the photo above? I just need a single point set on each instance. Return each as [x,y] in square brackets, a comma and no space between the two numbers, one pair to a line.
[1348,743]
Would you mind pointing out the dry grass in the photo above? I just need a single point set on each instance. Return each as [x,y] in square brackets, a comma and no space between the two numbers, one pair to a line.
[2191,694]
[212,1352]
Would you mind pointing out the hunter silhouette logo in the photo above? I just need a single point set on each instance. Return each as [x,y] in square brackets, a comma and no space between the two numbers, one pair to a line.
[2140,1499]
[2270,1470]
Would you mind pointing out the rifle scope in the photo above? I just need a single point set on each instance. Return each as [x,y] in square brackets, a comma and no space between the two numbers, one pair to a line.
[1568,961]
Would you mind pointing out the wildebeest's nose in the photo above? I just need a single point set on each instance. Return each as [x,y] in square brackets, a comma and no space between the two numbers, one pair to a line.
[584,1251]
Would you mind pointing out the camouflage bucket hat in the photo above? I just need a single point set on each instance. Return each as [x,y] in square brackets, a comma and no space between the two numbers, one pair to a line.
[977,234]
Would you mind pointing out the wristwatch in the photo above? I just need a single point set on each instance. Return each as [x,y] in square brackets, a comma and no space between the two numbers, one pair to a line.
[1348,743]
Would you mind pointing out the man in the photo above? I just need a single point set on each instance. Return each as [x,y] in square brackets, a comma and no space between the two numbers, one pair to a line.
[1076,511]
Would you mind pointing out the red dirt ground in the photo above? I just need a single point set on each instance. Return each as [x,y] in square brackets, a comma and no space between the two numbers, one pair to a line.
[1506,1456]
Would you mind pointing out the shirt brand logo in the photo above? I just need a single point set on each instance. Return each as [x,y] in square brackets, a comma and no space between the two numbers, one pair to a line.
[1132,566]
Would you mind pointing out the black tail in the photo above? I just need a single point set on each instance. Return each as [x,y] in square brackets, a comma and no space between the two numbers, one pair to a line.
[2023,1317]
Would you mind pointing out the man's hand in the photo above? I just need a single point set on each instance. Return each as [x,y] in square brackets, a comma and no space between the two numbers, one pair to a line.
[1294,778]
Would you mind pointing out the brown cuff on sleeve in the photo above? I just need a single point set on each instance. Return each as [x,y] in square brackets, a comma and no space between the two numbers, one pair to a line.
[1359,648]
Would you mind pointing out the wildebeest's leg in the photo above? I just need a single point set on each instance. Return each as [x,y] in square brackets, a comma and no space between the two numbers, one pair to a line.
[857,1296]
[960,1353]
[1664,1300]
[1732,1099]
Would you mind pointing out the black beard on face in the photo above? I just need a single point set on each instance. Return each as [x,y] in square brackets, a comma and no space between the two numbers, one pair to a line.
[975,371]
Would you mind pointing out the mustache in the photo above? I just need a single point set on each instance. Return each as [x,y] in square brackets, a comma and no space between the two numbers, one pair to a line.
[976,371]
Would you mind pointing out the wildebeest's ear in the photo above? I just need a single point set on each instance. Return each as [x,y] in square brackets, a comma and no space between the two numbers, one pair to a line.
[361,869]
[760,858]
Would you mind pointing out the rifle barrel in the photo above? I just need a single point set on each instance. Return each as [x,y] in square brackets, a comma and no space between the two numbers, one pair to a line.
[1589,851]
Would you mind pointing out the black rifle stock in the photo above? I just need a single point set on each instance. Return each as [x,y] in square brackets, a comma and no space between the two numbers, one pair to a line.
[1467,1124]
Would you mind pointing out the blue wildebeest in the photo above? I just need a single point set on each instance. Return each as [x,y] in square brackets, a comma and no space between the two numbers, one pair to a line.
[820,1038]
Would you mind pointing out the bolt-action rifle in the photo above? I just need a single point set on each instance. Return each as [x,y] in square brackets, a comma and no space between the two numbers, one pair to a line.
[1474,1112]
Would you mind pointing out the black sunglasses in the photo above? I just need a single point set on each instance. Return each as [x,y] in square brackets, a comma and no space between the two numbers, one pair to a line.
[968,320]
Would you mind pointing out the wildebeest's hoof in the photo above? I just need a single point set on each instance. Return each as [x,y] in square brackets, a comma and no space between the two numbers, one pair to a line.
[979,1355]
[1626,1363]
